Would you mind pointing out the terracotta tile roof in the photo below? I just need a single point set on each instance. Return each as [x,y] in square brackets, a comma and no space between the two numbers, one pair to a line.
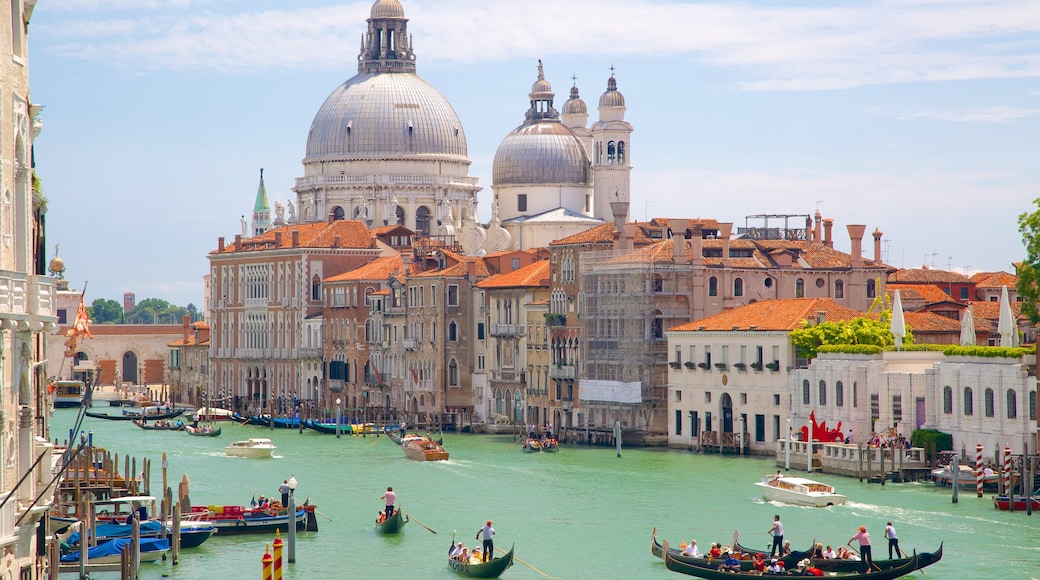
[927,276]
[540,302]
[379,269]
[459,269]
[601,234]
[989,310]
[930,322]
[533,275]
[930,293]
[383,292]
[189,342]
[994,279]
[352,234]
[132,329]
[772,315]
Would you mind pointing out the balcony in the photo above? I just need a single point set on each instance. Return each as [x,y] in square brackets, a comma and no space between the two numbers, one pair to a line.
[394,311]
[563,372]
[410,343]
[30,300]
[508,330]
[310,352]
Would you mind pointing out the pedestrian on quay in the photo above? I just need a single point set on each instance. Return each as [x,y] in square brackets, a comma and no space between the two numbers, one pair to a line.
[864,548]
[489,543]
[893,541]
[390,498]
[777,532]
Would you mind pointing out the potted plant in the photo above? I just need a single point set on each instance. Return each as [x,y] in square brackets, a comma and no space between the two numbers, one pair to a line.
[674,364]
[690,364]
[740,366]
[774,366]
[704,365]
[721,366]
[756,366]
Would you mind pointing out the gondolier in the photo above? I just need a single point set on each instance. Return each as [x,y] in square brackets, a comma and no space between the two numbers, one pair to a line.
[390,498]
[489,544]
[284,490]
[778,536]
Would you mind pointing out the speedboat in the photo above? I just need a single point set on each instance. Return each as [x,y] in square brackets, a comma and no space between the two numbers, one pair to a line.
[422,448]
[255,448]
[799,491]
[943,477]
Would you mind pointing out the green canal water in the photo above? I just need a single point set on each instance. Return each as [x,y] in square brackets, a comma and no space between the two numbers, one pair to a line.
[580,513]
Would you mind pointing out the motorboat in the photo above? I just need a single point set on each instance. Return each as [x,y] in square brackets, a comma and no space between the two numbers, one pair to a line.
[109,552]
[213,414]
[423,448]
[799,491]
[943,477]
[254,448]
[67,394]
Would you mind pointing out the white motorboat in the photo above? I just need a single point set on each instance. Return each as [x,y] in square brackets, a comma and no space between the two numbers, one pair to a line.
[255,448]
[799,491]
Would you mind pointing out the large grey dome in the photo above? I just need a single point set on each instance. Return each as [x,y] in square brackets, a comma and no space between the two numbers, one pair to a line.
[386,115]
[546,152]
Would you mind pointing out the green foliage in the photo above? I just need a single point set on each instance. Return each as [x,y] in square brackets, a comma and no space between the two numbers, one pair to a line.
[921,347]
[862,330]
[989,351]
[931,440]
[850,348]
[104,311]
[1028,283]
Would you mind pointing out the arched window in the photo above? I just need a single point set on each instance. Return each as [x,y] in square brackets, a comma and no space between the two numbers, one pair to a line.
[948,400]
[823,393]
[621,152]
[611,153]
[453,332]
[799,288]
[338,213]
[805,392]
[839,394]
[658,283]
[713,286]
[422,220]
[657,331]
[316,288]
[987,397]
[399,212]
[1012,404]
[453,373]
[969,403]
[871,289]
[738,287]
[839,289]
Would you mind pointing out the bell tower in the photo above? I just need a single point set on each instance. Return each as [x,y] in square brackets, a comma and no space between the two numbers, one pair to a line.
[611,155]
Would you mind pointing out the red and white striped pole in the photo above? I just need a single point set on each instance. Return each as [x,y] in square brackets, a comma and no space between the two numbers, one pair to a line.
[1007,470]
[978,469]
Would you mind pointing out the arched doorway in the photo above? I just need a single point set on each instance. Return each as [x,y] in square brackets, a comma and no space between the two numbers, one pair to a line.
[518,406]
[726,403]
[130,367]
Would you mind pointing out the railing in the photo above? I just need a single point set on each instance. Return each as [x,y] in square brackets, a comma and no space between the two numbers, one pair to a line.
[310,352]
[563,372]
[14,292]
[409,343]
[354,179]
[8,516]
[508,329]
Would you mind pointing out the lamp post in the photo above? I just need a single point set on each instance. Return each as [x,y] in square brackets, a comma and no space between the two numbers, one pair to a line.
[338,403]
[787,448]
[292,519]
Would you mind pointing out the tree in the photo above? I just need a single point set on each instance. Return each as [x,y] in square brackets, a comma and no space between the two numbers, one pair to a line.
[104,311]
[860,330]
[1028,270]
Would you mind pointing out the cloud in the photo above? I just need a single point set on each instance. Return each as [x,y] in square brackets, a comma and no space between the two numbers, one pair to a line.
[995,114]
[773,47]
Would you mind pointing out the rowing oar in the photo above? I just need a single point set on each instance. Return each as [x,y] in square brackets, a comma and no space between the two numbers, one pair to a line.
[412,518]
[524,563]
[322,515]
[872,564]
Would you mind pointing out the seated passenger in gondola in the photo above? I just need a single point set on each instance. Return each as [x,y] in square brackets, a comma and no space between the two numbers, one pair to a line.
[691,550]
[456,552]
[475,557]
[775,567]
[380,517]
[730,563]
[715,551]
[829,553]
[817,551]
[758,562]
[464,556]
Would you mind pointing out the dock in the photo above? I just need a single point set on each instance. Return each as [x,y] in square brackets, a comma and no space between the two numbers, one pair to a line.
[875,464]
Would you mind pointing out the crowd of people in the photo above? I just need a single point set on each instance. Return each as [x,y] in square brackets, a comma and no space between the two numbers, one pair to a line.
[888,439]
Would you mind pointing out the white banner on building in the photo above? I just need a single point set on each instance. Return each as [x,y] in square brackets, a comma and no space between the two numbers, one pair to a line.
[611,391]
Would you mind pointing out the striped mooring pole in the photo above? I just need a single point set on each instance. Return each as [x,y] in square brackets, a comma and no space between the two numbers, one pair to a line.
[267,563]
[978,469]
[1007,470]
[277,567]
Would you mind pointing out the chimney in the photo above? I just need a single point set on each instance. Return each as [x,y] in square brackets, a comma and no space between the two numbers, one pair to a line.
[627,238]
[335,241]
[817,234]
[697,245]
[678,229]
[725,231]
[471,267]
[877,245]
[296,238]
[808,229]
[278,239]
[238,241]
[856,235]
[828,223]
[332,217]
[220,244]
[186,325]
[619,209]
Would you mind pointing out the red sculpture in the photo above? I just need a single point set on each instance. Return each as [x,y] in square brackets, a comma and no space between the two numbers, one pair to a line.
[820,432]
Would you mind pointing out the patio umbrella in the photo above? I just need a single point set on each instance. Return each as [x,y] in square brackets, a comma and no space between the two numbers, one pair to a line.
[898,327]
[968,328]
[1006,325]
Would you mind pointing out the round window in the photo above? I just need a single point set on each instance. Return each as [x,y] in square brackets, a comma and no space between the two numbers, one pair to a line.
[820,282]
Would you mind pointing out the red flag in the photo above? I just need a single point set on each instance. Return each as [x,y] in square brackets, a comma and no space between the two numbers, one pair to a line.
[415,376]
[379,377]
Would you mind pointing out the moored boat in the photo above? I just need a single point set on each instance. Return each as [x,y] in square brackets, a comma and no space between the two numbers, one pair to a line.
[67,394]
[131,415]
[713,573]
[213,414]
[490,569]
[422,448]
[1001,502]
[110,552]
[392,524]
[234,519]
[966,478]
[799,491]
[254,448]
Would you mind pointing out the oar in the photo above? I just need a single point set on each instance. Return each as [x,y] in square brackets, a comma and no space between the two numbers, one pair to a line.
[412,518]
[524,563]
[322,515]
[872,564]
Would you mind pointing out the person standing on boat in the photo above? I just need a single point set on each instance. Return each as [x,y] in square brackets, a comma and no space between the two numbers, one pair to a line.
[390,498]
[489,544]
[284,490]
[864,547]
[778,536]
[893,541]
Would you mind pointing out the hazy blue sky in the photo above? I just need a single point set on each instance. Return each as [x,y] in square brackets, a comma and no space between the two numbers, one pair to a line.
[919,118]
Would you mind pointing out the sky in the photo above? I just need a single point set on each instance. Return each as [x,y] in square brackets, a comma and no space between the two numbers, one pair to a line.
[919,117]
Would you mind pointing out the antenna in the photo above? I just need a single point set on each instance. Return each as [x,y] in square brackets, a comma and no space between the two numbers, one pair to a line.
[818,202]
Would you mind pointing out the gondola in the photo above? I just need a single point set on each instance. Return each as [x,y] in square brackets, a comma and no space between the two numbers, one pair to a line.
[202,431]
[326,427]
[167,426]
[794,556]
[532,445]
[658,550]
[492,569]
[550,446]
[923,559]
[710,573]
[131,415]
[392,524]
